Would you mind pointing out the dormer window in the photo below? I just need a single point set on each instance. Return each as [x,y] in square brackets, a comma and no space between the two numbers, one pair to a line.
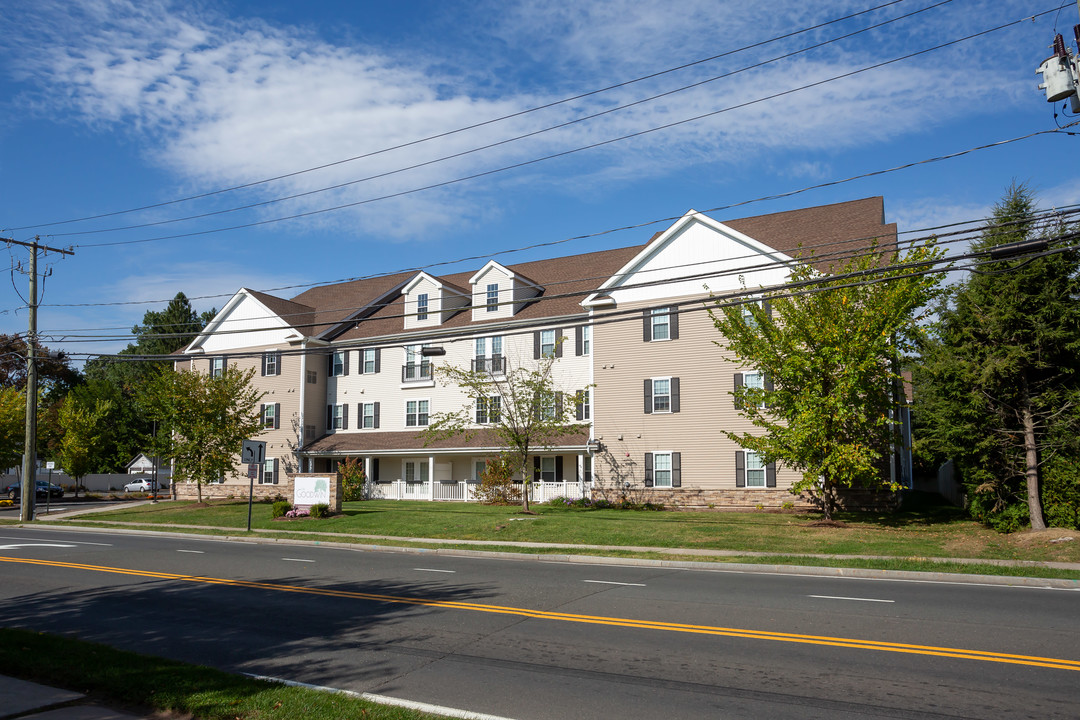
[422,306]
[492,297]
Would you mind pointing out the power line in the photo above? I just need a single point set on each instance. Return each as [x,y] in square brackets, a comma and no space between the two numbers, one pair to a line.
[463,153]
[1046,219]
[734,298]
[474,125]
[563,153]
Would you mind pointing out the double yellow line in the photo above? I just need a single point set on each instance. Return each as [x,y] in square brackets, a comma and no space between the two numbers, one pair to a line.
[929,650]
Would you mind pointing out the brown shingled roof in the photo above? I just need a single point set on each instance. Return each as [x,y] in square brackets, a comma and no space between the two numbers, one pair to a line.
[860,221]
[348,311]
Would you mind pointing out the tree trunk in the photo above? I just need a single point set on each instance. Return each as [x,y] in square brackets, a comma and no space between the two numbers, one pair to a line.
[1031,467]
[198,490]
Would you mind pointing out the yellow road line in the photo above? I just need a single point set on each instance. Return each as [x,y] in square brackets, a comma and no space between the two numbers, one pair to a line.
[930,650]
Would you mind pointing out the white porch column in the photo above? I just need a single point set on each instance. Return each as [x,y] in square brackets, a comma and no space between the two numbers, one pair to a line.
[431,476]
[581,473]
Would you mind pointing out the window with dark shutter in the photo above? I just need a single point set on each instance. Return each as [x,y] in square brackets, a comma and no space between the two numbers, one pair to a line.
[738,386]
[648,469]
[648,396]
[277,416]
[674,394]
[558,468]
[740,469]
[578,339]
[676,469]
[376,415]
[770,475]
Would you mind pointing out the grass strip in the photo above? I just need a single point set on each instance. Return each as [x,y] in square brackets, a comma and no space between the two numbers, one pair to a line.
[145,684]
[909,564]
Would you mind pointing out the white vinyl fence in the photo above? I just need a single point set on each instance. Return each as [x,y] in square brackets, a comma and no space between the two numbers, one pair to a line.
[462,491]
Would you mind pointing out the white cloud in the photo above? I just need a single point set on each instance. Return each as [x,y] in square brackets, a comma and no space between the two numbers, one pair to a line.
[224,101]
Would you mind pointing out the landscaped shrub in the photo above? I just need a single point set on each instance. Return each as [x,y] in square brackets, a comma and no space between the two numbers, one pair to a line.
[497,486]
[352,480]
[281,507]
[322,510]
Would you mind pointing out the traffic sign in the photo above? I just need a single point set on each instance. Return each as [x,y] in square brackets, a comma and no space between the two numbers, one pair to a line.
[253,452]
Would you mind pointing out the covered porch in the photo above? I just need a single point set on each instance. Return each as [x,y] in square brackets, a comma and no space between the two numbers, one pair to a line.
[398,466]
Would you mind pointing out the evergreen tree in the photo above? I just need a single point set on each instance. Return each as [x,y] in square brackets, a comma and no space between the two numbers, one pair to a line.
[997,386]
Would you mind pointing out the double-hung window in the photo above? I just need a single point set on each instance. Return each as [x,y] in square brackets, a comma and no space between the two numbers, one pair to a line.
[422,306]
[270,472]
[584,409]
[271,363]
[492,297]
[663,469]
[755,470]
[270,419]
[660,324]
[339,363]
[337,417]
[547,343]
[662,395]
[369,415]
[416,413]
[217,366]
[586,340]
[753,381]
[369,361]
[548,406]
[488,409]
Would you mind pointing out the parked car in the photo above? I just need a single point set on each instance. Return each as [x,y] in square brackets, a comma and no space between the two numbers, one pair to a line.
[140,486]
[44,489]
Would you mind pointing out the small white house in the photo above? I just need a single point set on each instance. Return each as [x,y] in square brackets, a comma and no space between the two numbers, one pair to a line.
[144,465]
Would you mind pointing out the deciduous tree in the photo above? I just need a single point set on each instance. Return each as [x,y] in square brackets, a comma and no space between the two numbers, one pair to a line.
[80,444]
[203,420]
[522,406]
[829,353]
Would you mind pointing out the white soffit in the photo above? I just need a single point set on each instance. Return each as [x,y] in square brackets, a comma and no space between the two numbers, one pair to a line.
[693,253]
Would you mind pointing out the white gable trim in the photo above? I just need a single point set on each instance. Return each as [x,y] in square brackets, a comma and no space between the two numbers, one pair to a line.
[624,276]
[419,277]
[510,274]
[269,321]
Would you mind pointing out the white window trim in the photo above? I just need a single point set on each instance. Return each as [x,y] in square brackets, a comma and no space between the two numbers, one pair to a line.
[760,378]
[269,463]
[338,416]
[428,413]
[586,340]
[667,395]
[656,472]
[658,313]
[552,344]
[746,469]
[363,361]
[334,372]
[422,305]
[364,416]
[268,419]
[491,306]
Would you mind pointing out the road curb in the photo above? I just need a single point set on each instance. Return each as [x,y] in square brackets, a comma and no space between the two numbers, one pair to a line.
[720,567]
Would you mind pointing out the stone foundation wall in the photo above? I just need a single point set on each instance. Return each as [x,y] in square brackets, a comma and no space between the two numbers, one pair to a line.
[748,499]
[235,491]
[239,490]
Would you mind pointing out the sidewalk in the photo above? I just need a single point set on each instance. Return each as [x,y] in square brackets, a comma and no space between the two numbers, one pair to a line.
[26,700]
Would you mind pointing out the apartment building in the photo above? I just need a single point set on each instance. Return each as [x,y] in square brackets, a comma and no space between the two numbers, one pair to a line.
[346,373]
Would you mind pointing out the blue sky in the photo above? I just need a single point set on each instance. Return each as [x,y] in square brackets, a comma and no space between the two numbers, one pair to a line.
[113,105]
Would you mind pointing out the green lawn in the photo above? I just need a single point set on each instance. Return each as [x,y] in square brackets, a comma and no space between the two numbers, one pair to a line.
[927,532]
[143,684]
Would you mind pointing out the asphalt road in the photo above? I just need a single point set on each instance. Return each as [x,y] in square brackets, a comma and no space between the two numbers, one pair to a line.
[537,640]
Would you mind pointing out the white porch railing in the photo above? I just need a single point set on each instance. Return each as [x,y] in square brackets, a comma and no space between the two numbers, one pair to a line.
[463,491]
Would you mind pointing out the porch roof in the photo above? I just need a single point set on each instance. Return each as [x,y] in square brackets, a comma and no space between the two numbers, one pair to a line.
[399,443]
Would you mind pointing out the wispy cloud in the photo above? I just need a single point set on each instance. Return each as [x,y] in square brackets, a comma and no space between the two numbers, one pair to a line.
[222,101]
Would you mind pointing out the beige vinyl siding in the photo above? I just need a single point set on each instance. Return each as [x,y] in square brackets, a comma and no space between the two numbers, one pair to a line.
[622,361]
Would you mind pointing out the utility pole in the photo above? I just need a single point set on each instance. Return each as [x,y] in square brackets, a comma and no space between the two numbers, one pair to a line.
[28,492]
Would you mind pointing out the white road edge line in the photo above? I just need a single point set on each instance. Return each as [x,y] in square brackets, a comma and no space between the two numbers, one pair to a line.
[610,582]
[73,542]
[297,560]
[32,545]
[837,597]
[433,570]
[386,700]
[193,552]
